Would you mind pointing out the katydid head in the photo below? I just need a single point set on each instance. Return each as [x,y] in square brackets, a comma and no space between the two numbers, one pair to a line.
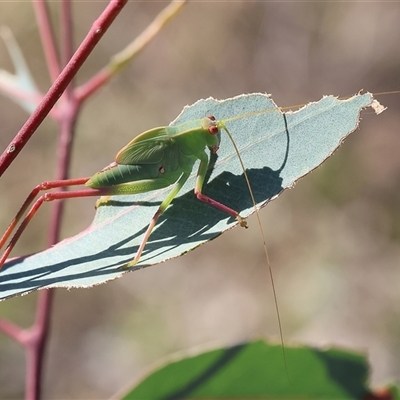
[213,135]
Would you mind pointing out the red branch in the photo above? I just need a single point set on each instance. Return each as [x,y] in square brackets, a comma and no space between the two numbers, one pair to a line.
[49,100]
[35,338]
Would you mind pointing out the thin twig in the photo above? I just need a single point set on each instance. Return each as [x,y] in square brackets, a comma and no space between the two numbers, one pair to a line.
[68,115]
[37,339]
[47,37]
[125,56]
[13,331]
[49,100]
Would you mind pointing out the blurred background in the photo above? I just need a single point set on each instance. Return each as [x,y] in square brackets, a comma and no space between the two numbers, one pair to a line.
[333,240]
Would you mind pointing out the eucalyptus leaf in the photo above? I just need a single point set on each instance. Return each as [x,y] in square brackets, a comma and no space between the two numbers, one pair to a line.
[277,149]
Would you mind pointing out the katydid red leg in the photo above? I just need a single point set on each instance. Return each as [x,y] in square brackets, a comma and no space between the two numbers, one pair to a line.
[202,197]
[42,199]
[46,185]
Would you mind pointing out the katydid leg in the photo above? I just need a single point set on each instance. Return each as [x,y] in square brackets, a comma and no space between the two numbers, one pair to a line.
[160,211]
[36,205]
[202,197]
[29,200]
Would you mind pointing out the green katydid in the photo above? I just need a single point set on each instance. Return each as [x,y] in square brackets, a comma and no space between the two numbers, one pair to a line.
[153,160]
[164,156]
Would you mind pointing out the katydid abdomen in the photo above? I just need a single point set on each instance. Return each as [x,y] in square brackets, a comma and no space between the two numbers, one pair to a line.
[122,175]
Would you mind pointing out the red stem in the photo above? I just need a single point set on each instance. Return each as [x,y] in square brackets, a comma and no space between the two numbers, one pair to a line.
[36,344]
[66,32]
[49,100]
[69,111]
[35,338]
[91,86]
[13,331]
[47,37]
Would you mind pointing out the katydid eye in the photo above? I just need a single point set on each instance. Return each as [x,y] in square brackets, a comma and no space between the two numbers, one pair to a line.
[213,130]
[211,117]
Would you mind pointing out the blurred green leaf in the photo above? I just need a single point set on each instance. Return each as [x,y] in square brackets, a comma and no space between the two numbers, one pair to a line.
[256,370]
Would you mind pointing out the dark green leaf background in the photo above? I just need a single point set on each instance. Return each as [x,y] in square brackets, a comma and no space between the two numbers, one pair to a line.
[256,370]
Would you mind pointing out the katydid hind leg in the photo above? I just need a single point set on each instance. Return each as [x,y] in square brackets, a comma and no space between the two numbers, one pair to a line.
[50,196]
[46,185]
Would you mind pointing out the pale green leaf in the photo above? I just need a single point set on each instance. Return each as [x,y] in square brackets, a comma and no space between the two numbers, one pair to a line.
[277,149]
